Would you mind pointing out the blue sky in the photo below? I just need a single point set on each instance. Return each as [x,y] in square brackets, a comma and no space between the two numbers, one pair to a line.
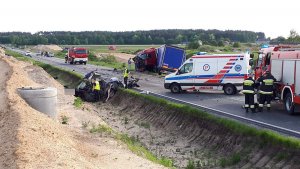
[274,18]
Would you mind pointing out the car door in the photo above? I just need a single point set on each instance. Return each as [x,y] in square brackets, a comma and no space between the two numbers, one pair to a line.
[185,76]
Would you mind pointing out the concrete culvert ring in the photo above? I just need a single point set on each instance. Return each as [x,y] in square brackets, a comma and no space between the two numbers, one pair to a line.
[41,99]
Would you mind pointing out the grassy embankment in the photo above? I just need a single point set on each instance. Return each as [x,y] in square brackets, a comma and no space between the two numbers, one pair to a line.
[266,137]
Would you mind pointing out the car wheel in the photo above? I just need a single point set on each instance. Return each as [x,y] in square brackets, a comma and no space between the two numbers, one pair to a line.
[229,89]
[288,104]
[175,88]
[84,63]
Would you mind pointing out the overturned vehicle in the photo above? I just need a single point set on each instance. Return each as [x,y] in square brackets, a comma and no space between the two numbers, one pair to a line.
[107,88]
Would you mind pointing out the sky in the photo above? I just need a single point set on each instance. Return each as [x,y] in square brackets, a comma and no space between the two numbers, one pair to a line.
[274,18]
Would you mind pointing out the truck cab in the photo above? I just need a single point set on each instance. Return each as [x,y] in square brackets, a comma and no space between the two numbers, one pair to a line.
[77,55]
[146,60]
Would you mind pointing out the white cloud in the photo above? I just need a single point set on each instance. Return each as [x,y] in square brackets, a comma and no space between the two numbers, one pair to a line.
[273,18]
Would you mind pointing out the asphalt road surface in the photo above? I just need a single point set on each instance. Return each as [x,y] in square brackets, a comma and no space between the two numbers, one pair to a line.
[217,100]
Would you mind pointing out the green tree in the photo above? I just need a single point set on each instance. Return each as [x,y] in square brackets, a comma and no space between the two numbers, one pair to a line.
[236,45]
[193,45]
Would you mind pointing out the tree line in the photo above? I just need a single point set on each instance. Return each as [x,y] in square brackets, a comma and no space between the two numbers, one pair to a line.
[170,36]
[294,38]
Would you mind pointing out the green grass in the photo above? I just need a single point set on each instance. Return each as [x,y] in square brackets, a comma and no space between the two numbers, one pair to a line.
[107,61]
[101,129]
[78,102]
[135,146]
[190,165]
[146,125]
[264,137]
[231,160]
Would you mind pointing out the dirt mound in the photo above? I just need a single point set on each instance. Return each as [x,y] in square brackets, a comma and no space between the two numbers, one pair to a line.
[48,48]
[30,139]
[184,138]
[42,143]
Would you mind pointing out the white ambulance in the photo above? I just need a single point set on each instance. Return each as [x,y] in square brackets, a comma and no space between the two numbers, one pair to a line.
[210,72]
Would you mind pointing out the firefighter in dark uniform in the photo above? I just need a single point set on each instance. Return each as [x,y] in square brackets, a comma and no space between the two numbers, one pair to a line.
[266,90]
[248,91]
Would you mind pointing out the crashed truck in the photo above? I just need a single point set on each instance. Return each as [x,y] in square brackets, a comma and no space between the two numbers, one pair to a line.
[165,58]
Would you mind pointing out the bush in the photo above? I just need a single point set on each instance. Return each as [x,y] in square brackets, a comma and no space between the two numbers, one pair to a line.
[206,48]
[193,45]
[108,59]
[236,45]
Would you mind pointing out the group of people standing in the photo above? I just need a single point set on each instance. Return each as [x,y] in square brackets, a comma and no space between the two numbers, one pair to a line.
[265,84]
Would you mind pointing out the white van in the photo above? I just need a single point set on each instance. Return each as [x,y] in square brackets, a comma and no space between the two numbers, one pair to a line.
[210,72]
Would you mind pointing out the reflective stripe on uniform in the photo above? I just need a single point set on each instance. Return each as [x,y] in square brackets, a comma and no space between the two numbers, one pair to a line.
[248,91]
[268,105]
[268,82]
[248,82]
[261,105]
[263,92]
[246,105]
[252,106]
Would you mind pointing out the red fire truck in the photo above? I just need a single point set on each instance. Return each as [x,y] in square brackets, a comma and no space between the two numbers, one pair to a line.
[284,64]
[77,55]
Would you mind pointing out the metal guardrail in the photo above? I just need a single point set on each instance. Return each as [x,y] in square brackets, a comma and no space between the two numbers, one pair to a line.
[228,115]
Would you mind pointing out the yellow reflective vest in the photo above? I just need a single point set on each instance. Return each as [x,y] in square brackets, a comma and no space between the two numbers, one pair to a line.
[248,86]
[125,72]
[96,86]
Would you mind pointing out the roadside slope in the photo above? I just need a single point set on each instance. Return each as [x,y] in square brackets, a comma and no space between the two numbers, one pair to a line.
[41,142]
[8,122]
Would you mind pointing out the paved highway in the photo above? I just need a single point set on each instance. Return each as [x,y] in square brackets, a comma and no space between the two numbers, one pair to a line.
[216,100]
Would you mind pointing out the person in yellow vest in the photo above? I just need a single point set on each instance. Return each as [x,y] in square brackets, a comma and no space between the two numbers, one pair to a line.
[248,91]
[96,88]
[125,75]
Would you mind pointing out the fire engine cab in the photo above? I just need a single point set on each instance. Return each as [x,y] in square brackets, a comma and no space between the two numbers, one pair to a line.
[284,64]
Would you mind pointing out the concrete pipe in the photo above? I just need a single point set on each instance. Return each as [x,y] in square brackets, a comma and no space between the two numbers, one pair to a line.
[41,99]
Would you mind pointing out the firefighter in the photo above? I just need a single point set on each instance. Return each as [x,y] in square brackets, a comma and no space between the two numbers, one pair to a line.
[266,90]
[125,75]
[96,88]
[248,91]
